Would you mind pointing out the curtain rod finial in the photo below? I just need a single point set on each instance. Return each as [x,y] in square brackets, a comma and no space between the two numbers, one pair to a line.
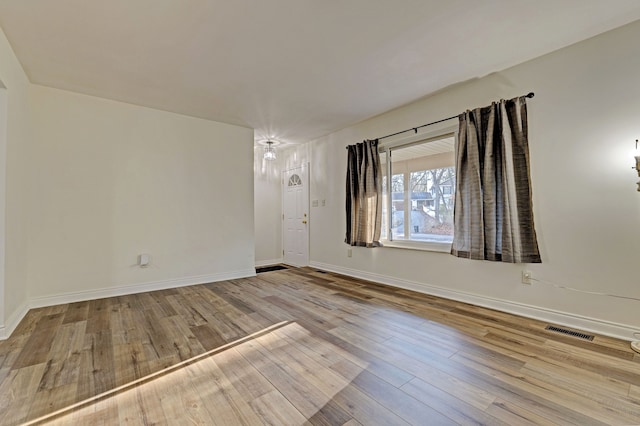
[530,95]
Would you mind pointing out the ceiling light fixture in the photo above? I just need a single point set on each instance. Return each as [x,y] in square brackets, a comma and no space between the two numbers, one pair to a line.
[269,151]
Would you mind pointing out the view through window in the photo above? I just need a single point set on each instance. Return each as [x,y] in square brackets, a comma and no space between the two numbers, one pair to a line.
[418,199]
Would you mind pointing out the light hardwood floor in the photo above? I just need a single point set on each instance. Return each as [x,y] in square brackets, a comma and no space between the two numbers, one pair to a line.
[300,347]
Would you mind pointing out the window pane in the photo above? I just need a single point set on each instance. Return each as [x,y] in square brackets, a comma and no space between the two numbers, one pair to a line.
[385,218]
[397,207]
[422,191]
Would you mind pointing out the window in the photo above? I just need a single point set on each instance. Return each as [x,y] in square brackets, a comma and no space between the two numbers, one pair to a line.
[294,180]
[418,198]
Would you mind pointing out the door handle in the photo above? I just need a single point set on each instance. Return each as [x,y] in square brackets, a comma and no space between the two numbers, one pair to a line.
[304,221]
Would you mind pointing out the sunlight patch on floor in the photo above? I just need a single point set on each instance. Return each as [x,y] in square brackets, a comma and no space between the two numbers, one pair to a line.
[281,373]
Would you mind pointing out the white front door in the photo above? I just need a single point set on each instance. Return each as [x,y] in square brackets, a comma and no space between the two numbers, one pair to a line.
[295,215]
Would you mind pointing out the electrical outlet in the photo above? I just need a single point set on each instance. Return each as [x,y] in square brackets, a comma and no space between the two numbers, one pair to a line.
[526,277]
[349,253]
[143,260]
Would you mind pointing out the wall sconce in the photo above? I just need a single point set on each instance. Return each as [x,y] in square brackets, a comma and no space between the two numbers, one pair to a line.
[269,151]
[637,167]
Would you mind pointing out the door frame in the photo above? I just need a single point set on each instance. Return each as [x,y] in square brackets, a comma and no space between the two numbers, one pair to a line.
[4,135]
[306,168]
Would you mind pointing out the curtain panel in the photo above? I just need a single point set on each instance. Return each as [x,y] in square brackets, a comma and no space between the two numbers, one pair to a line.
[493,212]
[364,195]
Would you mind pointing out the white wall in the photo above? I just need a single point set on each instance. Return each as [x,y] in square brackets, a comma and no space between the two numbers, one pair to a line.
[113,180]
[583,122]
[267,209]
[14,181]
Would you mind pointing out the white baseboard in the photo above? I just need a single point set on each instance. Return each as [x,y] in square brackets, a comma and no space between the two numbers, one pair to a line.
[261,263]
[593,325]
[81,296]
[13,321]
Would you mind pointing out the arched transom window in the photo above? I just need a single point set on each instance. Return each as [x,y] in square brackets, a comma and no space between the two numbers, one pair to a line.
[295,180]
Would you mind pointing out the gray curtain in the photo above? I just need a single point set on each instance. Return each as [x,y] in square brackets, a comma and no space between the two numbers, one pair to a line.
[364,195]
[493,213]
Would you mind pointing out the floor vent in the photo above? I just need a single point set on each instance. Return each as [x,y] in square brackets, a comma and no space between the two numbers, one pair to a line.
[569,332]
[270,268]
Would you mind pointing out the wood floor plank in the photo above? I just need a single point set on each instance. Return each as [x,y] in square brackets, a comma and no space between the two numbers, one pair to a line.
[330,414]
[224,403]
[149,401]
[342,361]
[450,405]
[63,363]
[457,384]
[208,337]
[305,397]
[17,392]
[552,404]
[353,422]
[286,414]
[129,362]
[320,350]
[365,409]
[597,388]
[126,324]
[328,346]
[98,317]
[301,364]
[49,400]
[96,365]
[513,414]
[103,412]
[161,343]
[397,401]
[192,409]
[634,392]
[78,311]
[245,378]
[36,349]
[589,403]
[183,308]
[28,323]
[184,343]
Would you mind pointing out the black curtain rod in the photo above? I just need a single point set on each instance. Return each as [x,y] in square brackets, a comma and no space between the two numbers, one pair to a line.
[415,129]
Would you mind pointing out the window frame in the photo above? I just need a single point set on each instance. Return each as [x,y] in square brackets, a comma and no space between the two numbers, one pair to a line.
[385,148]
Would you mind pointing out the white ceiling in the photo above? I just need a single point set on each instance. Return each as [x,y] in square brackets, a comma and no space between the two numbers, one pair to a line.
[292,69]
